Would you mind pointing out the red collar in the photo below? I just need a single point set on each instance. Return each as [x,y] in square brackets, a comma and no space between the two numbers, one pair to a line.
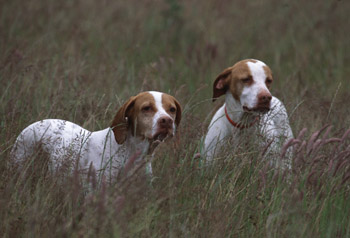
[237,124]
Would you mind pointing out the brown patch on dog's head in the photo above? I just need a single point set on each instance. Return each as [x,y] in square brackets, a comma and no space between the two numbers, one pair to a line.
[233,78]
[120,123]
[221,83]
[269,78]
[172,107]
[135,115]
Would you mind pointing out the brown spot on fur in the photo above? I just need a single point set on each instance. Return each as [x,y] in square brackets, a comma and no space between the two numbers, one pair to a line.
[267,71]
[133,116]
[268,74]
[120,124]
[221,83]
[231,78]
[169,103]
[250,60]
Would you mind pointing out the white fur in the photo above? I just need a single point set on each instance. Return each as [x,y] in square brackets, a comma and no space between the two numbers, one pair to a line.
[160,112]
[65,142]
[273,126]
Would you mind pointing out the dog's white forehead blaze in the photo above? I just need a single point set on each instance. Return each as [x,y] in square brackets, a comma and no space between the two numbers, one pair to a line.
[257,71]
[160,110]
[158,101]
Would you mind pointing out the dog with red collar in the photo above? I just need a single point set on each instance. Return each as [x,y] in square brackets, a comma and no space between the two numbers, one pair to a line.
[248,106]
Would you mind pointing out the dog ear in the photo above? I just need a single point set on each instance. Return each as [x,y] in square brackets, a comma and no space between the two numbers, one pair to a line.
[221,83]
[178,112]
[121,121]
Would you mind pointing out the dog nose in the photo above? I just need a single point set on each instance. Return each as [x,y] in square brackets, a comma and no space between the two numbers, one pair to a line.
[264,97]
[165,122]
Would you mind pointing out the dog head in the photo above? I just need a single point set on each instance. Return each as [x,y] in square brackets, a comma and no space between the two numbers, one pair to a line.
[249,82]
[148,115]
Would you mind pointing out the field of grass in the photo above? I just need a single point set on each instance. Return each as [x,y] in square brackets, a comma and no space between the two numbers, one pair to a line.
[79,60]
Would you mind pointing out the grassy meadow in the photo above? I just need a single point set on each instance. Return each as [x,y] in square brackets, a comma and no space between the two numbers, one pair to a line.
[79,60]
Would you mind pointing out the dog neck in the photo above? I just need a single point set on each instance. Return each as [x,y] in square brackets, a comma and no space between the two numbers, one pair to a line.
[131,146]
[235,110]
[135,144]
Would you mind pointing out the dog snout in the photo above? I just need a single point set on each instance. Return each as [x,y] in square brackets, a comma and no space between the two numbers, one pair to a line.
[264,98]
[165,122]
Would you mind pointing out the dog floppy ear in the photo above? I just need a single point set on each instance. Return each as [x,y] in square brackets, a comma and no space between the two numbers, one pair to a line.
[121,121]
[221,83]
[178,112]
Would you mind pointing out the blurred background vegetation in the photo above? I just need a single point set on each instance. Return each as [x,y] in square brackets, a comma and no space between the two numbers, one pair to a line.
[80,59]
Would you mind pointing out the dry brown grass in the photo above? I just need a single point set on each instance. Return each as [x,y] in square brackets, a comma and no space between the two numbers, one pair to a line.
[79,60]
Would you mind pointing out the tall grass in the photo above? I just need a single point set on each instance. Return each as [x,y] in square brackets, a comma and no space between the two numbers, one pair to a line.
[79,60]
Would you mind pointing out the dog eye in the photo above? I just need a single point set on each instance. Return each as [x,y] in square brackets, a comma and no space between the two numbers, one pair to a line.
[173,109]
[146,108]
[268,81]
[247,80]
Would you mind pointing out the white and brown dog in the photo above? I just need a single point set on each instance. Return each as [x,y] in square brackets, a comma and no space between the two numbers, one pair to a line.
[249,106]
[143,119]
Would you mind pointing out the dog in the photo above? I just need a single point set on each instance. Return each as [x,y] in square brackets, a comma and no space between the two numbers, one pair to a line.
[250,107]
[143,119]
